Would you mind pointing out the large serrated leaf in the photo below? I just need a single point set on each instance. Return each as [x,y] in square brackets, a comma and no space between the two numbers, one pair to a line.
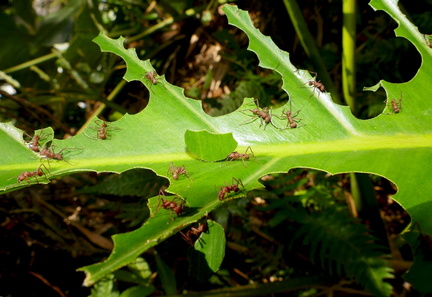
[330,139]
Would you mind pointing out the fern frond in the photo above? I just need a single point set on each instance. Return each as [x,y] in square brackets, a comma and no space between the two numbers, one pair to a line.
[337,240]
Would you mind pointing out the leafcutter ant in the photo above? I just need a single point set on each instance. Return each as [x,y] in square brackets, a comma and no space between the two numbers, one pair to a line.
[151,77]
[102,130]
[49,153]
[234,187]
[292,123]
[395,105]
[175,171]
[317,85]
[239,156]
[263,114]
[26,174]
[34,142]
[193,233]
[171,205]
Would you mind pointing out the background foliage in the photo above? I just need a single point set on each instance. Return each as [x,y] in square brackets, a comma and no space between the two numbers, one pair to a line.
[85,87]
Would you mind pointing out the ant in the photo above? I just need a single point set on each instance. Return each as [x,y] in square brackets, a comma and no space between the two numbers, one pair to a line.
[193,234]
[175,171]
[102,130]
[239,156]
[34,142]
[317,85]
[48,153]
[26,174]
[151,76]
[290,117]
[171,205]
[234,187]
[264,114]
[395,105]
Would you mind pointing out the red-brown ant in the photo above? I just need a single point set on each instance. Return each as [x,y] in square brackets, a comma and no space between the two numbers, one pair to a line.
[290,117]
[151,76]
[263,114]
[26,174]
[48,153]
[193,233]
[102,130]
[34,142]
[175,171]
[171,205]
[395,105]
[317,85]
[239,156]
[234,187]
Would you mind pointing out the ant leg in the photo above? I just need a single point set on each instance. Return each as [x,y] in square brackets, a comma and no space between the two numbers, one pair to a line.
[171,170]
[296,114]
[251,152]
[251,121]
[238,182]
[187,174]
[39,169]
[271,116]
[161,200]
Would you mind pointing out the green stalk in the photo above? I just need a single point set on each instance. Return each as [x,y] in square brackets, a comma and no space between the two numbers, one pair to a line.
[348,53]
[32,62]
[309,46]
[361,185]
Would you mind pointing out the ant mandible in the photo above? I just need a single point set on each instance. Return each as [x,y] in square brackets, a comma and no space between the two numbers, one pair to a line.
[263,114]
[192,234]
[175,171]
[290,117]
[239,156]
[234,187]
[27,174]
[171,205]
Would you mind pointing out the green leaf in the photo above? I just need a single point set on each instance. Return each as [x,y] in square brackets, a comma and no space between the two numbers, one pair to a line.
[137,291]
[199,142]
[105,288]
[396,146]
[421,248]
[208,252]
[166,275]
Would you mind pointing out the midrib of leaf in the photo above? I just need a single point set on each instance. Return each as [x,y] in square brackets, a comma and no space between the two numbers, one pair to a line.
[367,143]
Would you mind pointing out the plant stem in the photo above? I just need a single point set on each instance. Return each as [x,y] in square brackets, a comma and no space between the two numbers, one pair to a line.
[348,53]
[309,46]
